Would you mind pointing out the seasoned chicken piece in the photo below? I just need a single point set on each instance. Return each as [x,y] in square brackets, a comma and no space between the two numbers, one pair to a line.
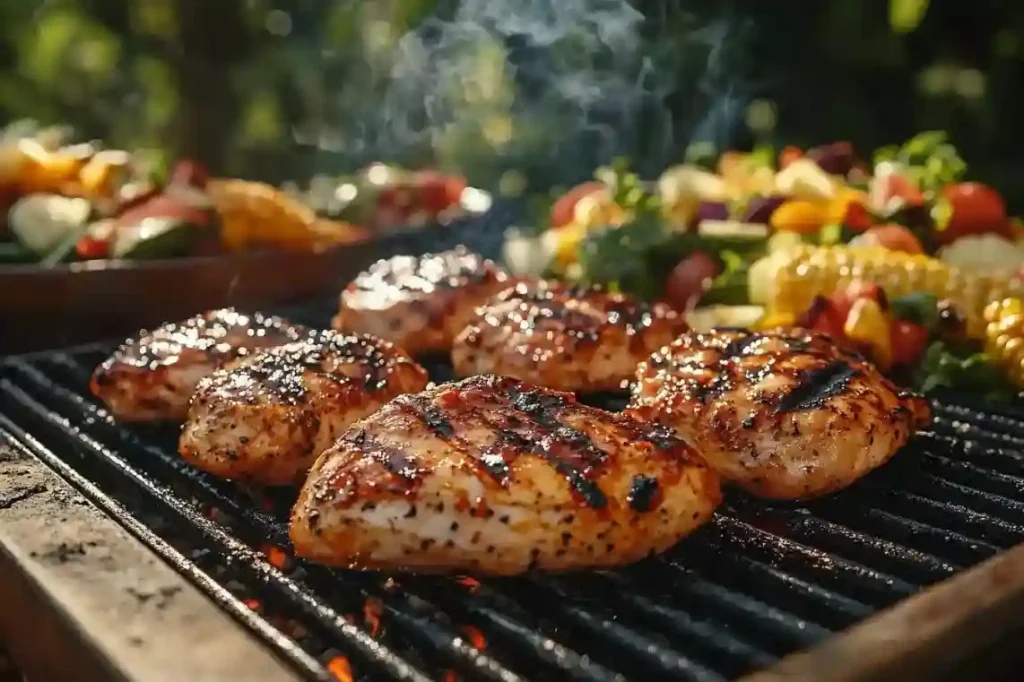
[562,337]
[419,303]
[494,475]
[265,419]
[783,414]
[153,374]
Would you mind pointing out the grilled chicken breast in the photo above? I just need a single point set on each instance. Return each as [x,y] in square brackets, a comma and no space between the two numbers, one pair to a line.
[265,419]
[153,374]
[783,414]
[494,475]
[419,303]
[562,337]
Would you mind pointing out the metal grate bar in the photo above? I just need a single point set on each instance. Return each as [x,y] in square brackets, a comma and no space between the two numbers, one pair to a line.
[758,582]
[242,555]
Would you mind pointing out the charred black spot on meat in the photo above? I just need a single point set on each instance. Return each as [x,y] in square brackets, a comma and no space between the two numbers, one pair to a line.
[741,345]
[815,387]
[421,408]
[391,458]
[642,493]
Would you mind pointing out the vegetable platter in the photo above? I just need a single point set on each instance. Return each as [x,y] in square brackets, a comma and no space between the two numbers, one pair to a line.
[900,257]
[93,241]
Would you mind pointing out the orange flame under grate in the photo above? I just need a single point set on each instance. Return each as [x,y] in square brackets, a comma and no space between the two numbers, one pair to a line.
[277,557]
[472,583]
[475,637]
[340,669]
[372,611]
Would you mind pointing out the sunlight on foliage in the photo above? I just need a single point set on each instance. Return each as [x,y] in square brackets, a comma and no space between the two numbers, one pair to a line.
[906,15]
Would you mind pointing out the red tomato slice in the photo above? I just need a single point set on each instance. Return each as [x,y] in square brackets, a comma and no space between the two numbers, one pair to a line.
[909,342]
[824,316]
[857,217]
[976,209]
[91,248]
[563,210]
[431,191]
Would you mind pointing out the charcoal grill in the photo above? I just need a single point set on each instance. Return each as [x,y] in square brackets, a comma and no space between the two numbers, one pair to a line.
[757,584]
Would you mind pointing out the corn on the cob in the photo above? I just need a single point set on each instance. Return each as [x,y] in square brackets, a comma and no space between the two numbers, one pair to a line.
[1004,336]
[253,213]
[807,271]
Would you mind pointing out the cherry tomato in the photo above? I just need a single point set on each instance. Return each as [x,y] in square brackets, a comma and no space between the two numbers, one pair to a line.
[976,209]
[433,191]
[908,341]
[454,187]
[91,248]
[190,173]
[894,238]
[687,282]
[824,316]
[395,196]
[857,217]
[788,155]
[564,209]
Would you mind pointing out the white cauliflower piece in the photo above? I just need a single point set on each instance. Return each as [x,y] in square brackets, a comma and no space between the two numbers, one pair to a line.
[988,252]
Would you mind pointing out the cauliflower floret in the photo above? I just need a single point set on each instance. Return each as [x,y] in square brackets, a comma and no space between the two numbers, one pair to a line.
[988,252]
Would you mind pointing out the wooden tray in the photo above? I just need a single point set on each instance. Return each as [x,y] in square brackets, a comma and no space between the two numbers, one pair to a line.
[80,302]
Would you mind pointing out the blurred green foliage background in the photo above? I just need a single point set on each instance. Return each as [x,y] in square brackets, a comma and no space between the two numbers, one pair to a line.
[533,92]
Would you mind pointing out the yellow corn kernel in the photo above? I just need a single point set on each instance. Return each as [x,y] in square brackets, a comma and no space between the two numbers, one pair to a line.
[868,324]
[1004,336]
[797,282]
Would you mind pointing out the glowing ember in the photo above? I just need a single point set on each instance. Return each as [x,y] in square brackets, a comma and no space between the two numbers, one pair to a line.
[451,676]
[341,669]
[472,583]
[252,604]
[277,557]
[475,637]
[372,610]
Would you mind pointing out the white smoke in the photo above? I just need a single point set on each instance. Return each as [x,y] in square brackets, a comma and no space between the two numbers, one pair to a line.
[558,86]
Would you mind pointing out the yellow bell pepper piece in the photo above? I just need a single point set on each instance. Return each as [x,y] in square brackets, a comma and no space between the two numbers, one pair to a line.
[804,217]
[868,324]
[567,240]
[836,209]
[776,320]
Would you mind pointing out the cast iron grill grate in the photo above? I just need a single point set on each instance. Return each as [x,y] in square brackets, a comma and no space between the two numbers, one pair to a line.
[758,582]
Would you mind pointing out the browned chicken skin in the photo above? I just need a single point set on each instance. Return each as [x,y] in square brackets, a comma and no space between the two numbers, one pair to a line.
[419,303]
[497,476]
[153,374]
[266,418]
[783,414]
[562,337]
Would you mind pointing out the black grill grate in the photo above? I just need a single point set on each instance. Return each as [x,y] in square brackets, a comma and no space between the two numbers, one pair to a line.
[755,584]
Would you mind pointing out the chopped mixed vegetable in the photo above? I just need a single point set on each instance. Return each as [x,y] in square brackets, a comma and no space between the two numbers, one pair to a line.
[896,258]
[61,202]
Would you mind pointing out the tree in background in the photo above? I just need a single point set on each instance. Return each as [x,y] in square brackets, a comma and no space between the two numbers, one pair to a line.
[273,89]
